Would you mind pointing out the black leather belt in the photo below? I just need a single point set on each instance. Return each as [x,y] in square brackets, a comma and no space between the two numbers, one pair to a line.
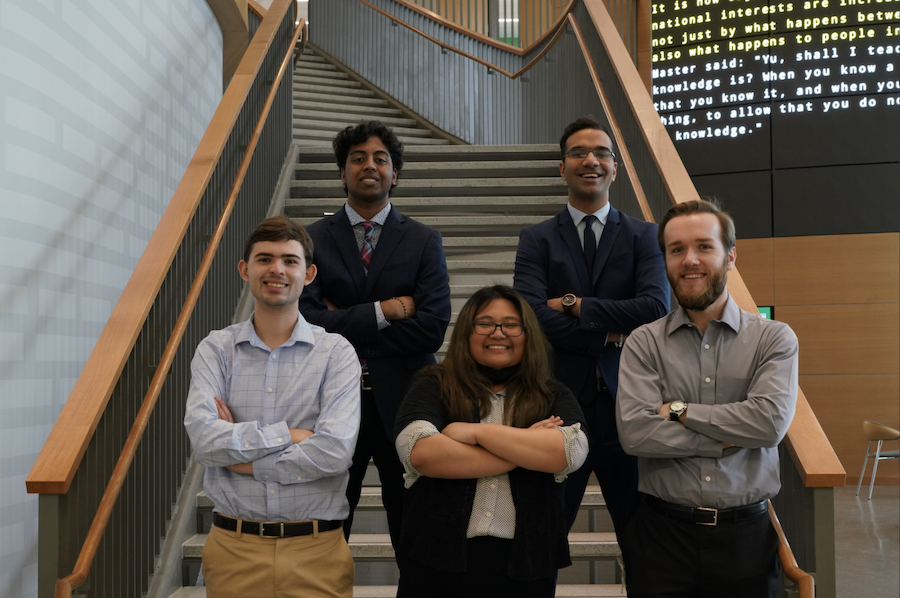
[366,381]
[705,515]
[275,529]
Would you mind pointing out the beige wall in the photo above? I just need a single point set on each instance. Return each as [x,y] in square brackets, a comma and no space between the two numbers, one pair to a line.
[841,295]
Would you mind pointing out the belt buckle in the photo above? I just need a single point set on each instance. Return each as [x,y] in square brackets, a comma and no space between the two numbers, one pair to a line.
[262,530]
[715,513]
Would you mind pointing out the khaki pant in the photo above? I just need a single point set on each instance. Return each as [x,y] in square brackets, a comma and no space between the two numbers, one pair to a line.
[242,566]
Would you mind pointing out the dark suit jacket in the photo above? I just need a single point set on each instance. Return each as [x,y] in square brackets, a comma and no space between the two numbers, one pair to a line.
[627,288]
[408,260]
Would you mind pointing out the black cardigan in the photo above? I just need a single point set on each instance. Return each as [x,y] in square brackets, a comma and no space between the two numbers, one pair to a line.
[436,512]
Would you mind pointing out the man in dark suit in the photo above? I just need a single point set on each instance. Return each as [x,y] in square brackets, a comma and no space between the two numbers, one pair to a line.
[382,283]
[592,275]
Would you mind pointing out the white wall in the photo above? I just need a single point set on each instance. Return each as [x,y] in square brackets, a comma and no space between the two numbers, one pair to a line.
[102,103]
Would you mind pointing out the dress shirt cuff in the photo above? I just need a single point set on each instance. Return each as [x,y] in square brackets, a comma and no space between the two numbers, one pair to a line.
[380,320]
[406,440]
[278,437]
[697,419]
[576,444]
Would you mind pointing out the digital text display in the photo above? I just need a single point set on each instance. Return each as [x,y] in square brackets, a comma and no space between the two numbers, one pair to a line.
[733,78]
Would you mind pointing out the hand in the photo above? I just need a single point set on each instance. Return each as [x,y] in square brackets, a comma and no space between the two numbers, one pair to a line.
[551,422]
[726,445]
[224,411]
[398,308]
[556,304]
[331,306]
[244,468]
[299,434]
[461,432]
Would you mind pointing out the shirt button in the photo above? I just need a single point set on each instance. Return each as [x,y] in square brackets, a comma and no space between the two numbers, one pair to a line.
[280,440]
[707,380]
[273,356]
[298,478]
[706,346]
[271,492]
[246,445]
[268,390]
[488,514]
[493,486]
[708,478]
[266,477]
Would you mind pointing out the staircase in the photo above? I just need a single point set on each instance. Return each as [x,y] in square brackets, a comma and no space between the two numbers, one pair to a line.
[479,198]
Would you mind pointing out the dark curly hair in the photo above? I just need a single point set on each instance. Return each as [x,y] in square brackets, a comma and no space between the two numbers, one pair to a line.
[351,136]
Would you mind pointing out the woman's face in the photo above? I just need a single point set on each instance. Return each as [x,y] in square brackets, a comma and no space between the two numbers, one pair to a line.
[497,350]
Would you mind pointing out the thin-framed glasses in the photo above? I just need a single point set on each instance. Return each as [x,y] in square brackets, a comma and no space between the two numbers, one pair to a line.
[580,153]
[508,328]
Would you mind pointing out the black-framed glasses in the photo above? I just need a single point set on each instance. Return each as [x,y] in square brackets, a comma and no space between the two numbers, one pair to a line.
[580,153]
[508,328]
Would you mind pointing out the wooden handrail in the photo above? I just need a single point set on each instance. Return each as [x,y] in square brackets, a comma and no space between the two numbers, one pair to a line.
[806,584]
[556,34]
[258,9]
[61,455]
[625,155]
[85,559]
[813,455]
[478,36]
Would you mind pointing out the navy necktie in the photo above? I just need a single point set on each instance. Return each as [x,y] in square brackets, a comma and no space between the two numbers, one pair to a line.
[590,241]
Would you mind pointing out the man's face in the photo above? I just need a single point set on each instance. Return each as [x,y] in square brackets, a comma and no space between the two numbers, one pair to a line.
[277,273]
[589,178]
[369,173]
[696,262]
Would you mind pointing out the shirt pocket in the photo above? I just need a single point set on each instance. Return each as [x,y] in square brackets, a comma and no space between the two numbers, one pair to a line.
[731,390]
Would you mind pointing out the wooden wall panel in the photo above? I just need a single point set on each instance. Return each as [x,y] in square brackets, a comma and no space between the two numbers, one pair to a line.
[845,339]
[841,403]
[833,269]
[755,263]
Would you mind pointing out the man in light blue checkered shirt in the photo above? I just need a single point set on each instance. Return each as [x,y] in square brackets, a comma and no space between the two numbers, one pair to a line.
[273,413]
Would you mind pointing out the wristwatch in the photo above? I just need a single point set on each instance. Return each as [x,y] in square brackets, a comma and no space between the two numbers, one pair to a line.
[568,302]
[676,409]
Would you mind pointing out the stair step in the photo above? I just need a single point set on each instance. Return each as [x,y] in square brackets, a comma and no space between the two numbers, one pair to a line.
[411,206]
[327,136]
[300,83]
[468,169]
[339,125]
[562,591]
[348,118]
[356,99]
[307,87]
[320,73]
[371,112]
[310,56]
[442,187]
[460,221]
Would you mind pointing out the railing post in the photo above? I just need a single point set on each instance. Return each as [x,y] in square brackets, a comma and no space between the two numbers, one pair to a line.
[823,542]
[493,16]
[49,529]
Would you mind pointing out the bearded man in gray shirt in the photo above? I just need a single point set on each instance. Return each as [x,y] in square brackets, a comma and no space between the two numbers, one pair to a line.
[706,393]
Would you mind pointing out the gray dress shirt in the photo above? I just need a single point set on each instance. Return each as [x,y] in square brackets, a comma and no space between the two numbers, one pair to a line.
[740,382]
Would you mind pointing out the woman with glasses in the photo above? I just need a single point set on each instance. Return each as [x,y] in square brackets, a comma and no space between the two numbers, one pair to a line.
[486,437]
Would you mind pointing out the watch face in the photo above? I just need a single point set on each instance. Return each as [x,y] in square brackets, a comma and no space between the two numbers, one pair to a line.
[676,406]
[568,300]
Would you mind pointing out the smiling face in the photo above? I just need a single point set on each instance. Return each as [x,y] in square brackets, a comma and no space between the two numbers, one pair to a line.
[277,273]
[368,175]
[696,261]
[588,179]
[496,350]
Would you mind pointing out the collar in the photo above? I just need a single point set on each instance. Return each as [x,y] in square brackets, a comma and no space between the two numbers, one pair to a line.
[302,333]
[731,316]
[379,218]
[577,215]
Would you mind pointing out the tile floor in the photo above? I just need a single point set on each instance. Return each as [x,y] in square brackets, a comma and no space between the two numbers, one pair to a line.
[867,542]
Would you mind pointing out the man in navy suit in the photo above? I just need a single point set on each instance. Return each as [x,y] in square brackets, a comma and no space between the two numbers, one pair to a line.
[592,275]
[382,284]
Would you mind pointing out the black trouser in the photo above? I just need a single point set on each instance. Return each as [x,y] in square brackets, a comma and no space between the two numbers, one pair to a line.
[616,472]
[670,558]
[487,561]
[373,443]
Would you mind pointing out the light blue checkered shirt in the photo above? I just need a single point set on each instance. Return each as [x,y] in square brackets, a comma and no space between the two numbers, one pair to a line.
[310,382]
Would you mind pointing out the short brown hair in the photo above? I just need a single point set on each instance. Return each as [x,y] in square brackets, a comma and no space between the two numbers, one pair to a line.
[280,228]
[699,206]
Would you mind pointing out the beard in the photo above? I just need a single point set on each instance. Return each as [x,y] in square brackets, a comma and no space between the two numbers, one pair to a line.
[699,301]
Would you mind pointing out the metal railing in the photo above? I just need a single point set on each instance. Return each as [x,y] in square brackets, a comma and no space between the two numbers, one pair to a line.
[110,471]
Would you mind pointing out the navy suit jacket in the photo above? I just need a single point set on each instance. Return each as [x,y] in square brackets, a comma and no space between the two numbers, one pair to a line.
[408,261]
[627,288]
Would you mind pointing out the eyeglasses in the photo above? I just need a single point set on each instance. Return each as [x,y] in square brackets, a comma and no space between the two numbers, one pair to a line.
[508,328]
[580,153]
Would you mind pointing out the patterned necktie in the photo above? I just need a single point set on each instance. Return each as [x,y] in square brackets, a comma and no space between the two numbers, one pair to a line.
[366,252]
[590,241]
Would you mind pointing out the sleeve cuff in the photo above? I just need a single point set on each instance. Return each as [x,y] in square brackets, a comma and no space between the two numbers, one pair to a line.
[380,320]
[406,440]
